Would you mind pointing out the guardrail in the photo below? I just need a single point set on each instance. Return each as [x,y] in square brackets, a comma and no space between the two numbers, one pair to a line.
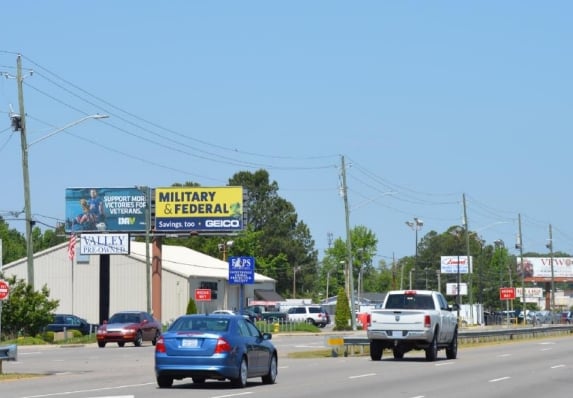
[8,353]
[357,345]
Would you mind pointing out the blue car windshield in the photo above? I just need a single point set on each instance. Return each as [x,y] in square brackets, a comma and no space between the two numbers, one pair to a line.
[200,324]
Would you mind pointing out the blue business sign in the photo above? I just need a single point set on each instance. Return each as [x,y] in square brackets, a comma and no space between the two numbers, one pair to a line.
[241,270]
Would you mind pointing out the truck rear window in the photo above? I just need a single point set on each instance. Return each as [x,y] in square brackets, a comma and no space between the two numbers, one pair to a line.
[409,302]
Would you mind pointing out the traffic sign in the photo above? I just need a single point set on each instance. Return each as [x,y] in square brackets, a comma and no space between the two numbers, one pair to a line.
[4,289]
[507,293]
[202,294]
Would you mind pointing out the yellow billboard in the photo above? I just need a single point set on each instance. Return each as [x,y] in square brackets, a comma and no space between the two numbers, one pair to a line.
[199,209]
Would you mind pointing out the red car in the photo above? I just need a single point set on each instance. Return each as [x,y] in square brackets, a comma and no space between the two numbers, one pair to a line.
[129,327]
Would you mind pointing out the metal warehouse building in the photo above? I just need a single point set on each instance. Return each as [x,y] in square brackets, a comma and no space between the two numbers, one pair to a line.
[77,285]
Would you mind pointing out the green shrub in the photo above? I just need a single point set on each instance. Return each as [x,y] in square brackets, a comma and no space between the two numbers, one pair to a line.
[191,307]
[342,312]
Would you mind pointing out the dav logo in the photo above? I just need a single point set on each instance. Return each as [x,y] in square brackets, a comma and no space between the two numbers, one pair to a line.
[126,220]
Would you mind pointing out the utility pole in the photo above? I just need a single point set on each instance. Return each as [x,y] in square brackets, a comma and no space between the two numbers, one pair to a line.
[519,245]
[550,246]
[469,258]
[348,246]
[21,125]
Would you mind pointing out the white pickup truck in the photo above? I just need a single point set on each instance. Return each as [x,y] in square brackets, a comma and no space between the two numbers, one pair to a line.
[413,320]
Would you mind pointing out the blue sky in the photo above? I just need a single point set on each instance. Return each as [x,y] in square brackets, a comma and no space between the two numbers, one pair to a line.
[426,101]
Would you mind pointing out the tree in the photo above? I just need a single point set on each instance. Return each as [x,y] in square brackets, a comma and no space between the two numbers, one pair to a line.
[283,242]
[191,307]
[26,311]
[342,311]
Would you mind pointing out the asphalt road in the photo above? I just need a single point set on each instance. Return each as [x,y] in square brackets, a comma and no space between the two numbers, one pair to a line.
[532,368]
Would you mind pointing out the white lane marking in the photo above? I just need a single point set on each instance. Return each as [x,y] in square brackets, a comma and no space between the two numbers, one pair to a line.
[557,366]
[546,349]
[418,396]
[500,379]
[88,391]
[233,395]
[360,376]
[504,355]
[444,364]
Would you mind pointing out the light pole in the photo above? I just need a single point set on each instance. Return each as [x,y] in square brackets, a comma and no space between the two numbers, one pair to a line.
[416,225]
[18,123]
[223,248]
[411,270]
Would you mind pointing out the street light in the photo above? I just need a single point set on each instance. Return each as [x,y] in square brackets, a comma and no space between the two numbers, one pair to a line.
[223,248]
[18,123]
[416,225]
[411,270]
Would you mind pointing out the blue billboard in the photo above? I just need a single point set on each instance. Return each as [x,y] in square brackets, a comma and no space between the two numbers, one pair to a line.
[105,209]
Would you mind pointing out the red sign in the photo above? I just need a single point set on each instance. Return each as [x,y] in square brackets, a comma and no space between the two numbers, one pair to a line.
[202,294]
[507,293]
[4,289]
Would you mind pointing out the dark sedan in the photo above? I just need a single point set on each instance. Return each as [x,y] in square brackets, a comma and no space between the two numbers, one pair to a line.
[68,322]
[129,327]
[220,347]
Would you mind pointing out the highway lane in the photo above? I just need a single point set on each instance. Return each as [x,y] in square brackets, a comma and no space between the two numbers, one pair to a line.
[528,369]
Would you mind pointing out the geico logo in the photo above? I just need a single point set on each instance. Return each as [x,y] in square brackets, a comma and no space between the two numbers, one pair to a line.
[222,223]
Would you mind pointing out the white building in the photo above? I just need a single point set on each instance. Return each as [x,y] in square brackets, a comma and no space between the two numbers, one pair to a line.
[77,285]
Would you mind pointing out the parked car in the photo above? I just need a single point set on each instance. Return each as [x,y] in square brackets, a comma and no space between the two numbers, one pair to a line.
[129,327]
[216,347]
[224,312]
[313,314]
[63,322]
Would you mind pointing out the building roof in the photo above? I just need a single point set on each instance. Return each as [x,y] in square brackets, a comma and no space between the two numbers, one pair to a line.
[187,262]
[177,259]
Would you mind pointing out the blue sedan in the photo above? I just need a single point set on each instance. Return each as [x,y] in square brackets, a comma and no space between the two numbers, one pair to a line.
[216,346]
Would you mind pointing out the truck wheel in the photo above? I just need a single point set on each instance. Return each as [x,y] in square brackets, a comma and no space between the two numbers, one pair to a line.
[376,350]
[452,348]
[432,350]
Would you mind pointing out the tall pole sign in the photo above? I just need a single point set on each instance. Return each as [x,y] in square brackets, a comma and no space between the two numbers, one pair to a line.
[241,272]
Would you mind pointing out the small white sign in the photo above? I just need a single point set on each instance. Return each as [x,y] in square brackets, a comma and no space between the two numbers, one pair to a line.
[452,289]
[104,244]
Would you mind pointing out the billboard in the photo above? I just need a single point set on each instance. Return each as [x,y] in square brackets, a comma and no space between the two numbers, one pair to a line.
[199,209]
[536,268]
[450,264]
[105,209]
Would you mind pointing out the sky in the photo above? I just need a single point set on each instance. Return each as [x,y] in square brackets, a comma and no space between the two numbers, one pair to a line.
[427,103]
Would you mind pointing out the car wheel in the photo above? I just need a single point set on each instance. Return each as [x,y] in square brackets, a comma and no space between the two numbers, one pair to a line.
[452,349]
[398,353]
[271,377]
[376,350]
[120,343]
[101,344]
[198,380]
[157,334]
[310,321]
[164,381]
[432,350]
[241,381]
[138,339]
